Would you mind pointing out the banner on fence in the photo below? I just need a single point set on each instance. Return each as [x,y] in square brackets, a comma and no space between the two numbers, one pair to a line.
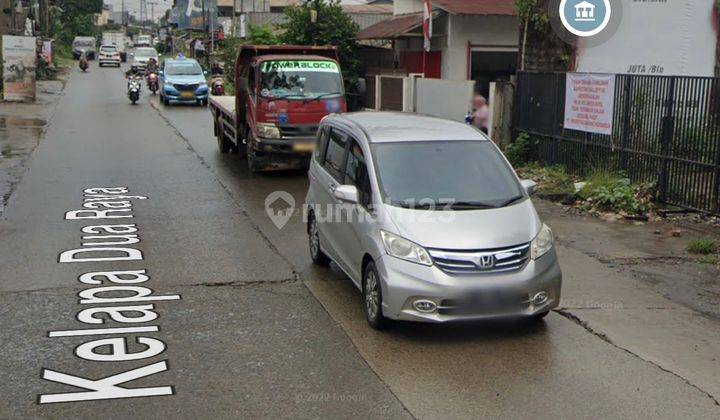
[19,61]
[589,102]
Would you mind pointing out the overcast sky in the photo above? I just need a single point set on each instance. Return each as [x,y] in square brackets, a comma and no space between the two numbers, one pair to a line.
[133,6]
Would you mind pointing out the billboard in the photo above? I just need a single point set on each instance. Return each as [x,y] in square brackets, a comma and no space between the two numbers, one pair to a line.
[19,62]
[194,14]
[670,38]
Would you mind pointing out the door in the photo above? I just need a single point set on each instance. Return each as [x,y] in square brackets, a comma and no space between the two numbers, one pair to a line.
[161,78]
[329,177]
[355,233]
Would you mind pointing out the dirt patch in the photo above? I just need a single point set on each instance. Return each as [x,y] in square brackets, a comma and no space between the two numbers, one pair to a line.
[653,252]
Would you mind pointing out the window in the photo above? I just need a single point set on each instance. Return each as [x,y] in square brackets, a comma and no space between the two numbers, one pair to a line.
[251,80]
[356,174]
[184,68]
[442,172]
[335,156]
[322,141]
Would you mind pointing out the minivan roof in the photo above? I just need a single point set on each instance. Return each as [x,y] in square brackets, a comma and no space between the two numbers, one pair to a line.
[385,127]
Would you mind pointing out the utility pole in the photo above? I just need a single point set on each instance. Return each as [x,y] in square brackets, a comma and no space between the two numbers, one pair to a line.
[122,16]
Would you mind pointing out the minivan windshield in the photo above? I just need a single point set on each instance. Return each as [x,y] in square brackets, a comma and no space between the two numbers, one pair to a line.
[301,79]
[458,175]
[187,68]
[145,52]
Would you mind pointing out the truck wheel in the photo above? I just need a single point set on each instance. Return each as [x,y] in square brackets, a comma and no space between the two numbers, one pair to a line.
[223,143]
[252,162]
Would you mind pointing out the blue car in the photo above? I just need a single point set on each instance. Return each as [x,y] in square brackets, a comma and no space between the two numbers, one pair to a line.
[182,80]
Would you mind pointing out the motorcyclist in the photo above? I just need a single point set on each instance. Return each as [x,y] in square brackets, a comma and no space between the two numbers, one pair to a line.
[152,67]
[133,72]
[83,61]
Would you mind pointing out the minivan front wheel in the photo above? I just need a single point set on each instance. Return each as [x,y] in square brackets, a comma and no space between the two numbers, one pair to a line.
[318,257]
[372,298]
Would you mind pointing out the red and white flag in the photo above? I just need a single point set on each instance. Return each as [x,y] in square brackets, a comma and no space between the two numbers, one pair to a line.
[427,24]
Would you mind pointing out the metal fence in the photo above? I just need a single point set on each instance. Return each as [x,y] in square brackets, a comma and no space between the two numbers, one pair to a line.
[666,129]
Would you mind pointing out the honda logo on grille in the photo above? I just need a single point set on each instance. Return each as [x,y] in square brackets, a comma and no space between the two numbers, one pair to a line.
[485,261]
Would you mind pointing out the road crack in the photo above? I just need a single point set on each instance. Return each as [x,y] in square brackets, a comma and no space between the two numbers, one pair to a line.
[574,318]
[241,283]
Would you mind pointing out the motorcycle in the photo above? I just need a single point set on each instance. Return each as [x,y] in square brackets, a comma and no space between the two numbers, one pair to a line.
[217,86]
[83,62]
[152,82]
[134,89]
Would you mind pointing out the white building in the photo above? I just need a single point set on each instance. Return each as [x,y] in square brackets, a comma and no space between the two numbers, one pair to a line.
[670,38]
[472,40]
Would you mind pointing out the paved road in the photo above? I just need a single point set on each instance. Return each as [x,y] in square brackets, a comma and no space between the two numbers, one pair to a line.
[256,330]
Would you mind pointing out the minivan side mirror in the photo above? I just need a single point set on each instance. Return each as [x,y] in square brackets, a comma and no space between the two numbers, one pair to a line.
[347,194]
[529,186]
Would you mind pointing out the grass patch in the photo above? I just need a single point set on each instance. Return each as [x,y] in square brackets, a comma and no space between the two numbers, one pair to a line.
[553,181]
[702,246]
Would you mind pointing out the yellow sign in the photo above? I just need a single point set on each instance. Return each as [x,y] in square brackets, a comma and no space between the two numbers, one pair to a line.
[304,147]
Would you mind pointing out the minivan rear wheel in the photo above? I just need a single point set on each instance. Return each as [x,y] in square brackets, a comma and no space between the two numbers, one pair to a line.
[318,257]
[372,298]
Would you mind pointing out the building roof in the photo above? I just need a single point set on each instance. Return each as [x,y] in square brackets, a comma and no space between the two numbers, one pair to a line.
[382,127]
[477,7]
[368,8]
[393,27]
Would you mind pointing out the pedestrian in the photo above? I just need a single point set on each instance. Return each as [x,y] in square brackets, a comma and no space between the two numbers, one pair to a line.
[481,113]
[220,36]
[199,49]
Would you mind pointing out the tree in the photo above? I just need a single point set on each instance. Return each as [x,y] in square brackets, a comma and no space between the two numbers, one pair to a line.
[323,22]
[77,18]
[256,35]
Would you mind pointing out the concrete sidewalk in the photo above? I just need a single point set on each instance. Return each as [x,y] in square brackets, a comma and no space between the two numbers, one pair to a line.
[21,128]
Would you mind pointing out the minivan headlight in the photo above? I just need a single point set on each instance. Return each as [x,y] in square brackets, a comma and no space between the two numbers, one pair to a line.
[268,131]
[542,243]
[405,250]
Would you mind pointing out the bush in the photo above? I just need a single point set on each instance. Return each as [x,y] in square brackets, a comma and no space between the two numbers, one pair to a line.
[521,150]
[611,192]
[703,246]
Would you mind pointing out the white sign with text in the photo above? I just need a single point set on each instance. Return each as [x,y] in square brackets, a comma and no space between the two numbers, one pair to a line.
[589,102]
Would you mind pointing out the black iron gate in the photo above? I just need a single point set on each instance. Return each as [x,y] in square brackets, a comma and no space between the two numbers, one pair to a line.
[666,129]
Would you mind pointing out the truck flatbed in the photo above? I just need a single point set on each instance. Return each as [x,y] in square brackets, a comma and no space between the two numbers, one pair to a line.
[224,104]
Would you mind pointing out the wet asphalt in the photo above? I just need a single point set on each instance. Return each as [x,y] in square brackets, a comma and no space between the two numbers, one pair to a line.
[258,331]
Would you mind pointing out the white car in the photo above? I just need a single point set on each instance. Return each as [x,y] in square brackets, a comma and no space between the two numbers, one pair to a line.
[142,56]
[109,54]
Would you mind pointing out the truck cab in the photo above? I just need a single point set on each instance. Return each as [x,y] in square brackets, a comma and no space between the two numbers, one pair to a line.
[282,93]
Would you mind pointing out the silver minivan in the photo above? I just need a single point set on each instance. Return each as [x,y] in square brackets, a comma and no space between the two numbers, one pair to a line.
[429,220]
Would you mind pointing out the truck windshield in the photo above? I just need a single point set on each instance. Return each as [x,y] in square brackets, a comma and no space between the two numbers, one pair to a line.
[461,175]
[84,43]
[303,79]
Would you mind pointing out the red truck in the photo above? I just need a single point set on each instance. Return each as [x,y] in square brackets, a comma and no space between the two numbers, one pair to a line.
[281,94]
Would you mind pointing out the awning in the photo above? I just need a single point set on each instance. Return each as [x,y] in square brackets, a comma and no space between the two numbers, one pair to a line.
[392,28]
[477,7]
